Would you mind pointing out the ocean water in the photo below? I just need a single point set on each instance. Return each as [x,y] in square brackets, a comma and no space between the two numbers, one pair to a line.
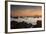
[28,20]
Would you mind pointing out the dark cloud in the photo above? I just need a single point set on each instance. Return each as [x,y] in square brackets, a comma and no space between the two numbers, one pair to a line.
[23,7]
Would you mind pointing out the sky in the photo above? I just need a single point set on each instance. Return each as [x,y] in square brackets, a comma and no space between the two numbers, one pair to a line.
[24,10]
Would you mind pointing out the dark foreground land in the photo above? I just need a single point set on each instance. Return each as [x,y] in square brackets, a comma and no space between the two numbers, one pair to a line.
[16,25]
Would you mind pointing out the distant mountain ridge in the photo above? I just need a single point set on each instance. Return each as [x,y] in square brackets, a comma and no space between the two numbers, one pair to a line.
[25,16]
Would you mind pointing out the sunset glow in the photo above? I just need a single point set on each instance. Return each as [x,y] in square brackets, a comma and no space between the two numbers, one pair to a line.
[27,11]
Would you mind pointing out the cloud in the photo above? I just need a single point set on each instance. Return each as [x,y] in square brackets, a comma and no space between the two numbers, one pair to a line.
[20,10]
